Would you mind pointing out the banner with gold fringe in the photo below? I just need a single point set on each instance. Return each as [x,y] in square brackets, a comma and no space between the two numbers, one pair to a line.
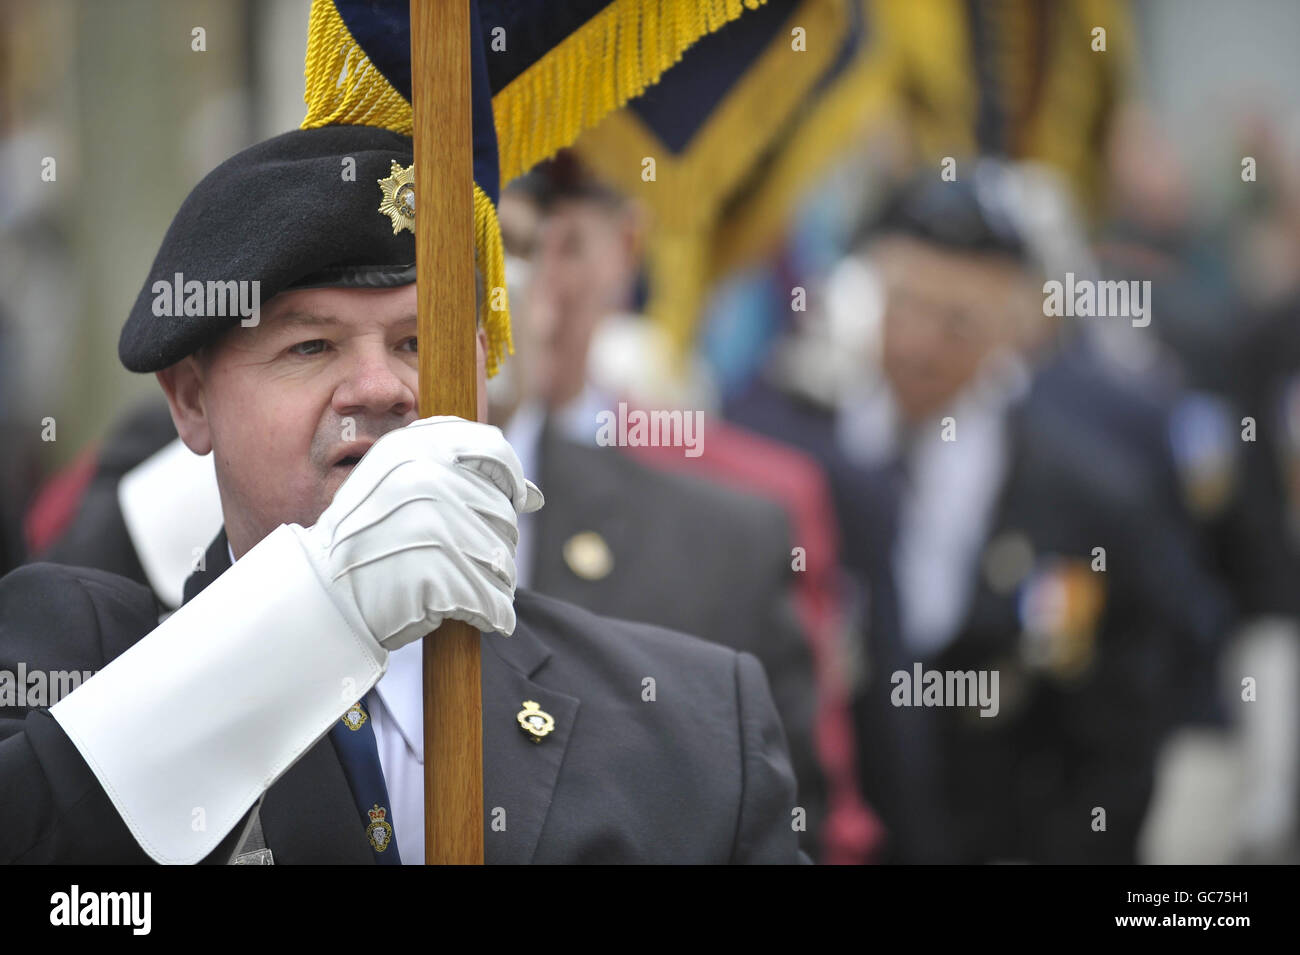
[850,102]
[705,126]
[1023,79]
[542,73]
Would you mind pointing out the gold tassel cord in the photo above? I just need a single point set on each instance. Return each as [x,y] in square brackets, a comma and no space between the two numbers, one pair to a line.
[492,263]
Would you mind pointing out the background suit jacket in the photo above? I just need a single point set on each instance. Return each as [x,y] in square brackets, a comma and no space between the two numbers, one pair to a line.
[701,775]
[1070,739]
[690,555]
[950,785]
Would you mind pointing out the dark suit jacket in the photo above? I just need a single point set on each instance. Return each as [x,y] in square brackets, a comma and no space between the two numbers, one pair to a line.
[691,555]
[1023,785]
[701,775]
[956,787]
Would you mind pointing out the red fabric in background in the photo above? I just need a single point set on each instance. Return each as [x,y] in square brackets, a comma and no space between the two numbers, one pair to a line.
[759,465]
[56,503]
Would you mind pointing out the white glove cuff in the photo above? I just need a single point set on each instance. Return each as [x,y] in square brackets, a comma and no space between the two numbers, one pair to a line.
[188,727]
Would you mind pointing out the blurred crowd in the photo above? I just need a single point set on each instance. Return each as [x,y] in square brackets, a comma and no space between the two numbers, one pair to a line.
[1098,509]
[908,466]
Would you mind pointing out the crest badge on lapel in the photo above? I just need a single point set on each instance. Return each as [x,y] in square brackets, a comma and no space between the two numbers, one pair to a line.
[535,722]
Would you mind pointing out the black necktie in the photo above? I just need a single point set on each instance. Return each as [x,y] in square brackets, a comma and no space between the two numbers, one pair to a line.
[353,737]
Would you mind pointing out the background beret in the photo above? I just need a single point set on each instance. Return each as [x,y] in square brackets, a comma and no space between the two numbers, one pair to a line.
[288,212]
[977,213]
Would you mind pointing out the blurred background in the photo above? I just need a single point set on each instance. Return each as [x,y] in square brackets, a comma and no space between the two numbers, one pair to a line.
[840,262]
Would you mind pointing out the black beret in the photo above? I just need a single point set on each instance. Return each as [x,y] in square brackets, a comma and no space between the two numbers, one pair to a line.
[976,214]
[287,213]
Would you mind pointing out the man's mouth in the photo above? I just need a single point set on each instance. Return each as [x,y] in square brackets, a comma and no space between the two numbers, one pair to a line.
[349,455]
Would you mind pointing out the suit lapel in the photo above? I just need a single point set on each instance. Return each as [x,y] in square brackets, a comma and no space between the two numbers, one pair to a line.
[308,814]
[519,776]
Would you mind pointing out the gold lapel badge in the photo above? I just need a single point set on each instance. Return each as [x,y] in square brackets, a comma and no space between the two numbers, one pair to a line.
[535,721]
[354,718]
[588,555]
[399,197]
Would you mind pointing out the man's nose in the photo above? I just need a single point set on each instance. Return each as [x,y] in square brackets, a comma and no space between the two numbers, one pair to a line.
[376,382]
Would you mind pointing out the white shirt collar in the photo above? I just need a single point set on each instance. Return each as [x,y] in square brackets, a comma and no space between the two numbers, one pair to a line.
[950,497]
[402,690]
[868,425]
[578,421]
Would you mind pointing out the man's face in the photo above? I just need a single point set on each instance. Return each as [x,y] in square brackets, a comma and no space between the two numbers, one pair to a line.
[584,263]
[288,407]
[945,313]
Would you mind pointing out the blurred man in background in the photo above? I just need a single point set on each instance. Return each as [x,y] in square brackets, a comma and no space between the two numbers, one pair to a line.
[996,534]
[709,554]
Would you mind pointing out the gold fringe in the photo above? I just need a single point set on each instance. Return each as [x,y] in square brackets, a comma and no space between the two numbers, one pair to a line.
[492,263]
[607,61]
[343,87]
[599,66]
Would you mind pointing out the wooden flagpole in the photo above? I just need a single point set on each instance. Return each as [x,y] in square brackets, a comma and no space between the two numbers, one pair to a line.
[444,255]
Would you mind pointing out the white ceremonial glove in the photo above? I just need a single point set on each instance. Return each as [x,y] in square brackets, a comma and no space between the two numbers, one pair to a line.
[423,530]
[188,728]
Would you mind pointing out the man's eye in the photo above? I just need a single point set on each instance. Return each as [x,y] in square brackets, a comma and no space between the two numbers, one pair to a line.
[411,344]
[313,347]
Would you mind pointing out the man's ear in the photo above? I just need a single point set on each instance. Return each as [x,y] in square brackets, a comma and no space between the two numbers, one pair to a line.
[183,385]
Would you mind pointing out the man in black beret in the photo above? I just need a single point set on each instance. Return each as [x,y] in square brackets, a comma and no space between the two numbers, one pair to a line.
[1004,535]
[276,716]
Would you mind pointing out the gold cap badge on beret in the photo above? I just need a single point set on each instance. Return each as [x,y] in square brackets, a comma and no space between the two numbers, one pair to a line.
[399,197]
[534,721]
